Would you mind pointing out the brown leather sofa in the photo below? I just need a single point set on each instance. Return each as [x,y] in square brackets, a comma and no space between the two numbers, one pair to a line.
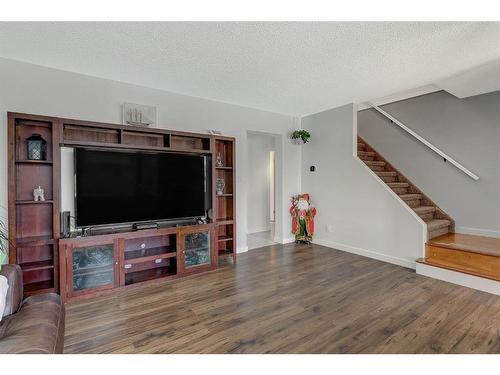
[35,325]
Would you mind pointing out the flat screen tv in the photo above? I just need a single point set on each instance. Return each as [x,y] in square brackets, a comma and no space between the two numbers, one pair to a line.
[117,187]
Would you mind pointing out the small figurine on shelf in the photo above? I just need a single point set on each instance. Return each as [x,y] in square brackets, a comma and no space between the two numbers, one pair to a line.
[302,218]
[220,185]
[39,194]
[218,160]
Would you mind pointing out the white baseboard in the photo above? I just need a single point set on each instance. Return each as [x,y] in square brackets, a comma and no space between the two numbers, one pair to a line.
[367,253]
[478,232]
[469,281]
[241,249]
[259,230]
[284,241]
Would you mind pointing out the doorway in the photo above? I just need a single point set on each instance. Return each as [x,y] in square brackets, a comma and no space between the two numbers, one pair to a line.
[261,191]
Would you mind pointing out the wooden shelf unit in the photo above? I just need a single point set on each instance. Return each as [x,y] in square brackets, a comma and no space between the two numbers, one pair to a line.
[225,204]
[34,227]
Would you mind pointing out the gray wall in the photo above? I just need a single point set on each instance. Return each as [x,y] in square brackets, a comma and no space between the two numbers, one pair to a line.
[466,129]
[356,212]
[33,89]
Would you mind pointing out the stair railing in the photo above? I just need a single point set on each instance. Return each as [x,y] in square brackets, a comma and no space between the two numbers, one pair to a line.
[425,142]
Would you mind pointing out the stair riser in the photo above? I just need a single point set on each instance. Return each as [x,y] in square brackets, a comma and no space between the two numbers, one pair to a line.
[377,168]
[400,190]
[427,217]
[367,158]
[463,261]
[413,202]
[438,232]
[388,178]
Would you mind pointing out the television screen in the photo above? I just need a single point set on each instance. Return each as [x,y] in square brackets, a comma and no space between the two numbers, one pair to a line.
[114,187]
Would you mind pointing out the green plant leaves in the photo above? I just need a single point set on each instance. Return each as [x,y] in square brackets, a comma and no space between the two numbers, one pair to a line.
[304,135]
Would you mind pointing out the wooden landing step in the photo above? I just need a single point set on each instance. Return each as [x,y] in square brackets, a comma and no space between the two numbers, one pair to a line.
[473,255]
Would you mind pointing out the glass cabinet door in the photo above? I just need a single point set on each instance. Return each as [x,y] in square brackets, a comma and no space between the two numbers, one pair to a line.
[93,267]
[197,249]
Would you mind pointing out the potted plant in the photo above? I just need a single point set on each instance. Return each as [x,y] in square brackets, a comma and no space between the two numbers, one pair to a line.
[4,243]
[301,136]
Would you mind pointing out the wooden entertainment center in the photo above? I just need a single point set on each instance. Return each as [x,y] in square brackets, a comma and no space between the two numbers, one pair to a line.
[89,265]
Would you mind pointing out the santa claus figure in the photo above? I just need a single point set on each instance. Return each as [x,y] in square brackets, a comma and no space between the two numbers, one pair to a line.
[302,218]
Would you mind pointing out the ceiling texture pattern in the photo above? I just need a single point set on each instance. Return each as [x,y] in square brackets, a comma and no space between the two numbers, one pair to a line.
[293,68]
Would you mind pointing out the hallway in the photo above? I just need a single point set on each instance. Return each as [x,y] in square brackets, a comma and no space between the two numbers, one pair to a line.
[261,239]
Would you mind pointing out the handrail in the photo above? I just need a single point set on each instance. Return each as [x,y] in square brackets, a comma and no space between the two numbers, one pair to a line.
[425,142]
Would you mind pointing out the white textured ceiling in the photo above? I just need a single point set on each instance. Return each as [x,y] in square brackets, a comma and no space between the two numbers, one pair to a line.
[292,68]
[483,79]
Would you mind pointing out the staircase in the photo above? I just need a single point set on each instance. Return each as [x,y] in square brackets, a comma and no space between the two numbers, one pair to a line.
[438,222]
[468,260]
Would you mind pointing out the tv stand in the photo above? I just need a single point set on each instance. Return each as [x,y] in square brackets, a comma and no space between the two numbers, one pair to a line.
[52,264]
[103,263]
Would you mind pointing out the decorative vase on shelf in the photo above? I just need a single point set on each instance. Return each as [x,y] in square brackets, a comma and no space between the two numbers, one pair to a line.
[218,160]
[220,185]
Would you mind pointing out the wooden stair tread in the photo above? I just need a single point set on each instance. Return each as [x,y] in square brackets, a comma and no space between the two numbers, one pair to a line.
[470,243]
[386,173]
[409,197]
[398,184]
[374,162]
[424,209]
[366,153]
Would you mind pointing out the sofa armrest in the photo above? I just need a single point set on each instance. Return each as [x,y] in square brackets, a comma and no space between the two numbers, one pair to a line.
[14,276]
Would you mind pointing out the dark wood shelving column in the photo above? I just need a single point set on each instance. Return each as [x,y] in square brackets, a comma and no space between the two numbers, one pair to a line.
[225,204]
[34,225]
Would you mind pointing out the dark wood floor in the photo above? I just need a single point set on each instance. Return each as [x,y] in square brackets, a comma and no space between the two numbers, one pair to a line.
[290,299]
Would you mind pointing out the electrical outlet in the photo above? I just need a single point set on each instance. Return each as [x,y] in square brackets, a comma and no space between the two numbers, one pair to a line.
[329,228]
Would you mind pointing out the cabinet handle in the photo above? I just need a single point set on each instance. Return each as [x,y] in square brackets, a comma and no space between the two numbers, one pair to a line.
[143,245]
[127,266]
